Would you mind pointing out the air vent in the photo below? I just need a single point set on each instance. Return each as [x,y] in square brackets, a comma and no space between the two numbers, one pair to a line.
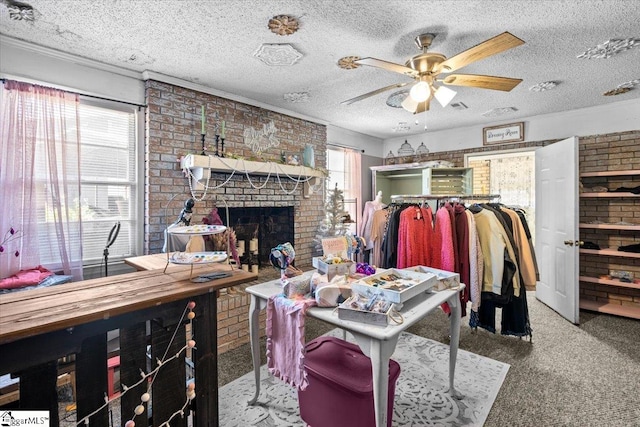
[459,106]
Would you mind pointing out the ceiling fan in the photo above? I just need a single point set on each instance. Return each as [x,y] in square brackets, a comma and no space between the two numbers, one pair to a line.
[425,69]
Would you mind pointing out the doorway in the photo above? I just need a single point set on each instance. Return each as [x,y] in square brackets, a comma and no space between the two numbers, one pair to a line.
[510,174]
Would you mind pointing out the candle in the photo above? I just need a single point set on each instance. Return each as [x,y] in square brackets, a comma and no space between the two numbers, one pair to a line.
[202,132]
[222,131]
[253,245]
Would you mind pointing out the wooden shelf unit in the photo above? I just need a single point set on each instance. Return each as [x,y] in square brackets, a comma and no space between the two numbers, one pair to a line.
[610,252]
[610,194]
[609,282]
[610,308]
[614,290]
[630,172]
[604,226]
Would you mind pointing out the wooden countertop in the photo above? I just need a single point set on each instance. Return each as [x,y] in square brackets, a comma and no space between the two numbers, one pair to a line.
[33,312]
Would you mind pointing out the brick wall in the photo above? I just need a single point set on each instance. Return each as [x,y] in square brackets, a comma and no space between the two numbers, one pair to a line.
[613,152]
[173,130]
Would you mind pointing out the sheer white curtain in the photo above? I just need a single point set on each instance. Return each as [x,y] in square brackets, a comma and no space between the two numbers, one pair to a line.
[353,184]
[40,178]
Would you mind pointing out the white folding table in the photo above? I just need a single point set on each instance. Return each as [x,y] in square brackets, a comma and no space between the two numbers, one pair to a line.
[377,342]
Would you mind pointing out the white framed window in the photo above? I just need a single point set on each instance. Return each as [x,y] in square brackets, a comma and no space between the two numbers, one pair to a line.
[111,186]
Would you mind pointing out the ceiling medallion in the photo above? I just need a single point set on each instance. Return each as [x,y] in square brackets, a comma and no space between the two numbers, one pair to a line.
[296,97]
[283,25]
[617,91]
[21,12]
[630,84]
[610,48]
[395,99]
[277,54]
[541,87]
[348,62]
[499,111]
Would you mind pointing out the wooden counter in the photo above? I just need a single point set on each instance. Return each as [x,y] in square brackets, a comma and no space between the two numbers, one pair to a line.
[37,327]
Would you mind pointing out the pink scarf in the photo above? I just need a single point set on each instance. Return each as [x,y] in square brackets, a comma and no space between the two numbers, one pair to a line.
[285,339]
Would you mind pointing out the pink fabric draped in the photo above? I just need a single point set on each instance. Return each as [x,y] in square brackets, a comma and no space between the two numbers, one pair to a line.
[40,178]
[285,339]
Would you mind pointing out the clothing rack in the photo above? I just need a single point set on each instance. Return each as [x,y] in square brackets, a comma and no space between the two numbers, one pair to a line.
[439,198]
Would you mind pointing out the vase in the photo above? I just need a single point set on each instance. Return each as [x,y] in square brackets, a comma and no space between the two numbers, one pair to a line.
[308,157]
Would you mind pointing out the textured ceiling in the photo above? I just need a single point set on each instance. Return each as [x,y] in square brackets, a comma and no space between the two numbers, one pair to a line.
[212,43]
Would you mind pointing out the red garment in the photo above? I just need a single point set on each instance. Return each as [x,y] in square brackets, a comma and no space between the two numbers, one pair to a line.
[25,278]
[415,232]
[462,247]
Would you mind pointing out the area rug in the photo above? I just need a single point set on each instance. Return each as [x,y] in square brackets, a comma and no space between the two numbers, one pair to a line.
[420,400]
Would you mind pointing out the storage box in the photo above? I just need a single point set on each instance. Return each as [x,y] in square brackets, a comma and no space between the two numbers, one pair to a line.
[340,391]
[331,270]
[395,285]
[444,279]
[345,312]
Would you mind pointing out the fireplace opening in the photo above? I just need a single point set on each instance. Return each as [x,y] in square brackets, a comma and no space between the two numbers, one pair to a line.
[258,229]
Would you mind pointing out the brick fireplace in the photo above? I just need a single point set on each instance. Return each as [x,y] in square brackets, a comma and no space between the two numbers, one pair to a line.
[173,130]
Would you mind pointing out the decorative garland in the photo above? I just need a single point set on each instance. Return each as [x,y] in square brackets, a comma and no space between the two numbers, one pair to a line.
[273,167]
[145,397]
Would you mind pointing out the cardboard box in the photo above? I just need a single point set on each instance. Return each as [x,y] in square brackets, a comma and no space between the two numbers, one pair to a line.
[397,286]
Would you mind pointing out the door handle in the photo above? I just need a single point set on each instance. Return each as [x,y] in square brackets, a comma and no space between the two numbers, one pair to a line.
[579,243]
[568,242]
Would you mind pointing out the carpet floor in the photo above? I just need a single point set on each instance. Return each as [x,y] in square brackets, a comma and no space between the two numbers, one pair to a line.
[570,375]
[421,397]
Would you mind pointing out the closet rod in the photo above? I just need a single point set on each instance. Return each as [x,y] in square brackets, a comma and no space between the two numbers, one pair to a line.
[397,197]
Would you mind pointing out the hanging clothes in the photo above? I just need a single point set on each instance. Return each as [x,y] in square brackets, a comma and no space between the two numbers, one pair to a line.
[415,233]
[378,226]
[502,278]
[366,225]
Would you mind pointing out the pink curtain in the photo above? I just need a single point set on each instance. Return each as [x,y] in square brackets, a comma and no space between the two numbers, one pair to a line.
[40,179]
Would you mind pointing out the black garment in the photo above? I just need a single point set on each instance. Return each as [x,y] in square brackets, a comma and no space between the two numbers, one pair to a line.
[634,190]
[390,242]
[630,248]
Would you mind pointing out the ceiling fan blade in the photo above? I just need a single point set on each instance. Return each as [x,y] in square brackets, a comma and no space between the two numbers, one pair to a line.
[494,45]
[375,92]
[483,82]
[389,66]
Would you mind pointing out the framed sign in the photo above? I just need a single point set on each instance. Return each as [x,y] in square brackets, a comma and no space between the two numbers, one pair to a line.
[513,132]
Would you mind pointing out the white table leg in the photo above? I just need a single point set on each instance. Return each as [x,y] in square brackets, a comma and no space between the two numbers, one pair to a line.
[254,333]
[379,352]
[454,303]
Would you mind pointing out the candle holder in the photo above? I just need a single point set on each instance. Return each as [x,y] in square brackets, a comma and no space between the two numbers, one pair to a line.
[217,141]
[203,152]
[222,147]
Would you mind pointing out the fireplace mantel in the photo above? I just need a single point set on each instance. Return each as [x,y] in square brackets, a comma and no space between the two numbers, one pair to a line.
[201,166]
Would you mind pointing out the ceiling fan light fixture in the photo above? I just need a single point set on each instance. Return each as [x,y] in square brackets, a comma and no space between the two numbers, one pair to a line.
[420,92]
[444,95]
[410,104]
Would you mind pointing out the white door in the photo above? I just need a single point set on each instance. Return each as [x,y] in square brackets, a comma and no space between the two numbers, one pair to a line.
[557,227]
